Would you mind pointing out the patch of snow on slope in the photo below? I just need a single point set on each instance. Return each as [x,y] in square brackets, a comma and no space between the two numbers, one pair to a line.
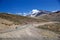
[34,12]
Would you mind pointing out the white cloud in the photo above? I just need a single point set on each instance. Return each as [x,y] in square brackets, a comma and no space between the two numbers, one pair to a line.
[54,11]
[19,13]
[23,14]
[28,13]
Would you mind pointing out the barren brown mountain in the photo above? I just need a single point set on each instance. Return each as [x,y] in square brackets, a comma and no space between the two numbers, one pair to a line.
[16,27]
[55,16]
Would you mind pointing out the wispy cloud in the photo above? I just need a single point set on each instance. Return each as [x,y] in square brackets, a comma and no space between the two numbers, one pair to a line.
[23,14]
[30,12]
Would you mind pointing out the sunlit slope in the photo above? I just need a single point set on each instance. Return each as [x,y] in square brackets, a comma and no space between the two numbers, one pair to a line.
[52,16]
[10,21]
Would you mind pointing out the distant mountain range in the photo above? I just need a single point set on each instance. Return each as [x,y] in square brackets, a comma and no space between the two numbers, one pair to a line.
[38,25]
[52,16]
[36,13]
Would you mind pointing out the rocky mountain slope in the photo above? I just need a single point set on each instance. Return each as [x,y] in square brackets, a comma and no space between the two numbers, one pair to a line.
[9,20]
[36,13]
[52,17]
[16,27]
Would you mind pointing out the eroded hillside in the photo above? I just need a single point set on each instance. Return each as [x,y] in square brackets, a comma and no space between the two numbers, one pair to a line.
[51,16]
[10,22]
[18,27]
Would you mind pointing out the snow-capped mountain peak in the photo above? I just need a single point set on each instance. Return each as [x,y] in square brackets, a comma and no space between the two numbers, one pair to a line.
[36,12]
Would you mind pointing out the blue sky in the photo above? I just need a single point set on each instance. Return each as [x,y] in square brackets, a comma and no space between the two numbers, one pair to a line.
[17,6]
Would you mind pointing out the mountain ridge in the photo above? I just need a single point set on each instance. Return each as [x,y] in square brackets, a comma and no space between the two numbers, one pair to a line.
[27,27]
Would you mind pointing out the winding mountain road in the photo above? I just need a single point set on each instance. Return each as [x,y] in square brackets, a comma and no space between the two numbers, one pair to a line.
[27,26]
[29,32]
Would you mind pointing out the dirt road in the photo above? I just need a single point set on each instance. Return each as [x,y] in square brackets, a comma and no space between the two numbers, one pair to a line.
[29,32]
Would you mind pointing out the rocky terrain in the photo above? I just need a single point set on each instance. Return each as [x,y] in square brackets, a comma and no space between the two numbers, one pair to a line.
[16,27]
[55,16]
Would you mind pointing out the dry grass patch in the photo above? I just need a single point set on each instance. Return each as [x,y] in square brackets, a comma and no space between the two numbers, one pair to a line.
[52,27]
